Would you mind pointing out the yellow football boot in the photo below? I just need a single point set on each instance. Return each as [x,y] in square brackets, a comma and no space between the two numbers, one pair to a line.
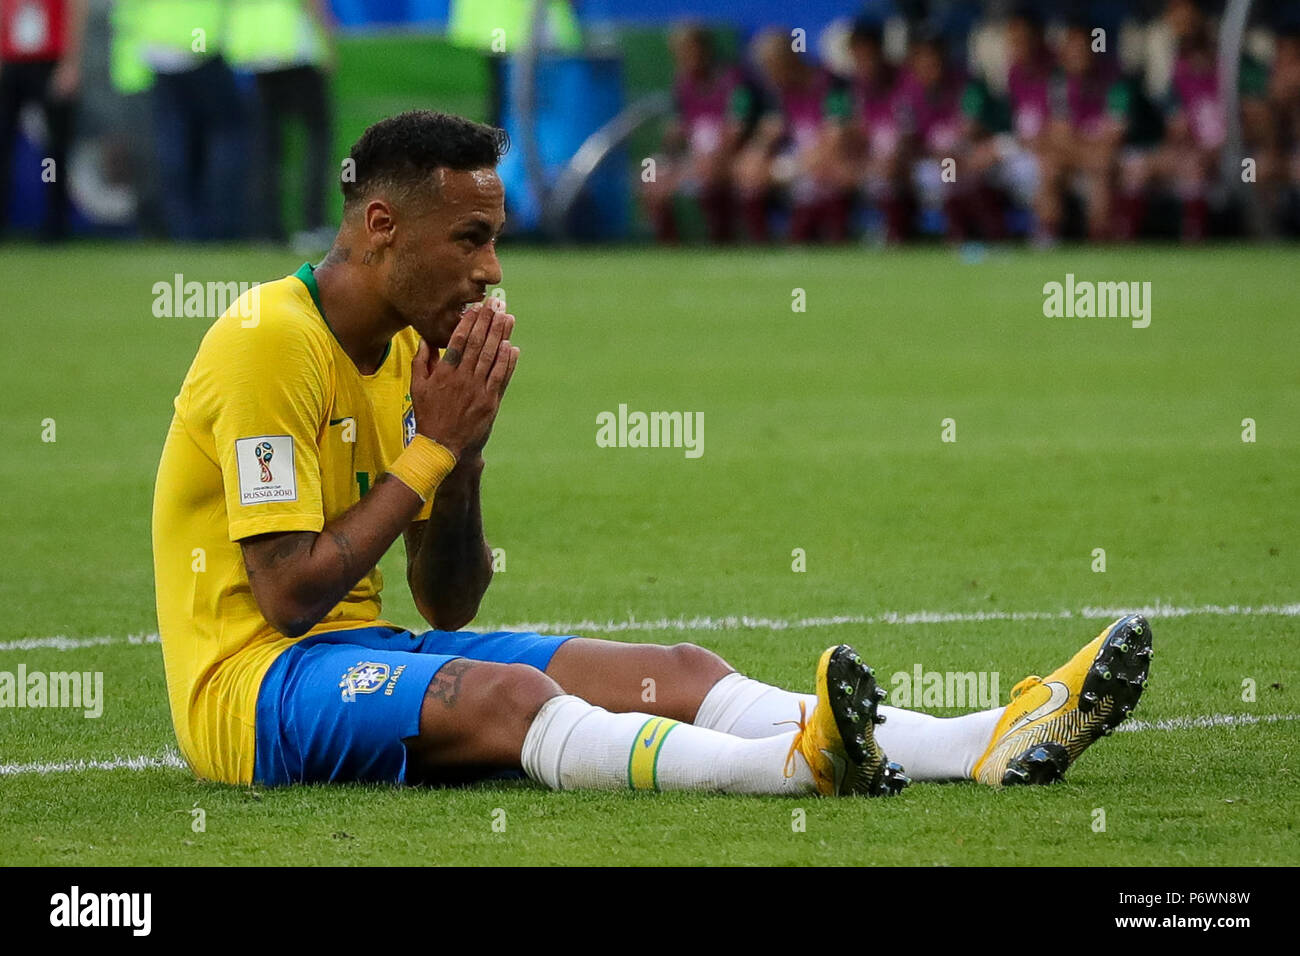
[1050,721]
[839,742]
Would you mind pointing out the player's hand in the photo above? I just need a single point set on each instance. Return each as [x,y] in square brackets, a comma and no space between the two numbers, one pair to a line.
[456,398]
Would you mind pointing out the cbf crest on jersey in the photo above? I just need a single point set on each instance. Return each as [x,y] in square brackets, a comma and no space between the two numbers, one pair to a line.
[408,426]
[363,677]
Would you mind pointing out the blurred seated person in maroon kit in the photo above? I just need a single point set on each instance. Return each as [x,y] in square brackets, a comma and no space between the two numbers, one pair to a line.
[788,151]
[1085,132]
[1008,161]
[1196,126]
[1283,130]
[934,130]
[713,113]
[863,133]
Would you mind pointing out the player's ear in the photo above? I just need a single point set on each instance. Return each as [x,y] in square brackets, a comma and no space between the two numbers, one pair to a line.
[380,222]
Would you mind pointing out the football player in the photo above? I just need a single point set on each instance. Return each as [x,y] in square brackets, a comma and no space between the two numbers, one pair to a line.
[332,411]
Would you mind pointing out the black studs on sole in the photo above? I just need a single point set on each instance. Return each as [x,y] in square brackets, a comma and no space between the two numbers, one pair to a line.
[1045,763]
[855,699]
[892,780]
[1119,671]
[851,686]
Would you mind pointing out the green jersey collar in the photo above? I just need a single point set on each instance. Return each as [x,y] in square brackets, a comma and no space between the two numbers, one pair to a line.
[306,274]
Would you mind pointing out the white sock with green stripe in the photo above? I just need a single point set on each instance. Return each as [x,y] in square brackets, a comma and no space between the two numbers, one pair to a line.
[575,745]
[929,748]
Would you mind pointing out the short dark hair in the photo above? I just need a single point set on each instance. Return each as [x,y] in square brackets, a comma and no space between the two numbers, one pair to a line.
[401,152]
[867,30]
[930,39]
[690,31]
[1030,15]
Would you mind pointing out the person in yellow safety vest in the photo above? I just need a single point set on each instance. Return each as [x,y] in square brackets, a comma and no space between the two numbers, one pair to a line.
[176,35]
[502,28]
[200,118]
[127,69]
[287,45]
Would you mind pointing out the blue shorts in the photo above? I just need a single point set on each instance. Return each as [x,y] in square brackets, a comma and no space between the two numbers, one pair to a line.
[337,707]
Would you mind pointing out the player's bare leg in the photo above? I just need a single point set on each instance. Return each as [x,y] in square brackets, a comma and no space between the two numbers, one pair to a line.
[658,195]
[479,716]
[1049,201]
[1097,163]
[670,681]
[690,683]
[474,719]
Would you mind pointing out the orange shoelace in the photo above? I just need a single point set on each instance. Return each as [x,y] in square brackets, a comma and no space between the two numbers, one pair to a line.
[802,724]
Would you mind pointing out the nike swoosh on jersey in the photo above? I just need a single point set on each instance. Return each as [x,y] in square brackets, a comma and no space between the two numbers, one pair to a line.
[340,421]
[1060,694]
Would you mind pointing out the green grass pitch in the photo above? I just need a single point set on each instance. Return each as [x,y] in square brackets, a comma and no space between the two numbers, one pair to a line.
[822,432]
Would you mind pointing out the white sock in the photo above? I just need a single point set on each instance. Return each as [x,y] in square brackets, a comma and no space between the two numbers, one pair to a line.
[744,707]
[573,744]
[929,748]
[936,748]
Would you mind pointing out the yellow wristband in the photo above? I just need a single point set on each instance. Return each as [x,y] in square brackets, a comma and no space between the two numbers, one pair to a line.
[423,466]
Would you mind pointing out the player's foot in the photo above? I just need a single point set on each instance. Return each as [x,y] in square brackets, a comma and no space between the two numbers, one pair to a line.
[839,742]
[1051,721]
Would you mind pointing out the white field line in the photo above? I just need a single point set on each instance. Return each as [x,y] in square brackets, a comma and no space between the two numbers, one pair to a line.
[61,643]
[168,758]
[748,622]
[171,759]
[1203,722]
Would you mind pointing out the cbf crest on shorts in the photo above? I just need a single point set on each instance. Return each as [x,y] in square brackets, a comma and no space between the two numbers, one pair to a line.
[363,677]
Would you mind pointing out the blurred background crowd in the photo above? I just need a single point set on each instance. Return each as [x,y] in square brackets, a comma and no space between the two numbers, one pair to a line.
[884,121]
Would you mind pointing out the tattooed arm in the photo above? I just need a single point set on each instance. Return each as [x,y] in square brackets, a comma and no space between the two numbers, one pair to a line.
[297,577]
[448,563]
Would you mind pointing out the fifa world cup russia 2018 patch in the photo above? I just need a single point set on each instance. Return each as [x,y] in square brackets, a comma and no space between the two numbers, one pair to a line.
[266,471]
[408,427]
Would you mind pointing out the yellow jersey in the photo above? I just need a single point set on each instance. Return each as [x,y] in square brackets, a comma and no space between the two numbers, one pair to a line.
[275,429]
